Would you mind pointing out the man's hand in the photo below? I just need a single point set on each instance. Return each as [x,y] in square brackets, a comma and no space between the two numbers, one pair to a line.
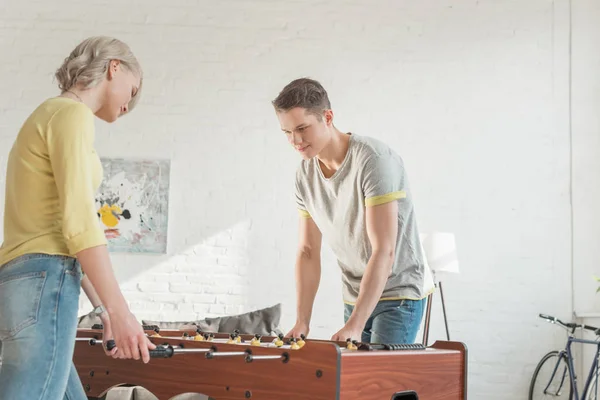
[349,331]
[298,330]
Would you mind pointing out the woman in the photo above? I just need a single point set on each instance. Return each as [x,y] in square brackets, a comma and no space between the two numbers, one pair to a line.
[52,233]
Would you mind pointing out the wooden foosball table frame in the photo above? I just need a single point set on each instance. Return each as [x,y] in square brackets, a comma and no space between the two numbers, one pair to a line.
[189,362]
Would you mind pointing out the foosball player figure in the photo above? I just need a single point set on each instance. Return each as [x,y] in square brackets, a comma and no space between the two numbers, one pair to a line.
[294,344]
[279,340]
[255,340]
[351,344]
[232,338]
[198,337]
[301,341]
[238,337]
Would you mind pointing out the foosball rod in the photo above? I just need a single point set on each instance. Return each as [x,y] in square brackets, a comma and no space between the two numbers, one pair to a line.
[110,343]
[93,342]
[162,351]
[169,351]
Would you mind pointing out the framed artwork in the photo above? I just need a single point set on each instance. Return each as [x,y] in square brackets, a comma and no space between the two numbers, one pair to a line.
[133,204]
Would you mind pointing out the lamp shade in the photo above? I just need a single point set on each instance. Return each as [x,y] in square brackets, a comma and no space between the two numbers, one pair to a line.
[440,250]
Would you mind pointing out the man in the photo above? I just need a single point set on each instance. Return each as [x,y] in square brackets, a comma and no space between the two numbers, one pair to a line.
[353,191]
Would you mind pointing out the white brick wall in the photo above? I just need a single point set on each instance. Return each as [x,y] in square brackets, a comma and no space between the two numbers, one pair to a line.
[586,164]
[473,95]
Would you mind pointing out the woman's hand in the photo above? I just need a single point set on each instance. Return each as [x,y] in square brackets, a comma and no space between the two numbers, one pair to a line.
[129,336]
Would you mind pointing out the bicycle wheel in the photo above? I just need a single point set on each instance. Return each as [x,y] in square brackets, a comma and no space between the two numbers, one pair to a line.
[551,378]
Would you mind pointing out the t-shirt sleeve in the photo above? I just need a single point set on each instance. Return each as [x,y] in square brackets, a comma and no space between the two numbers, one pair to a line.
[299,201]
[383,180]
[70,139]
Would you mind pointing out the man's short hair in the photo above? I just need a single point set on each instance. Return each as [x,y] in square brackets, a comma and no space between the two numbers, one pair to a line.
[304,93]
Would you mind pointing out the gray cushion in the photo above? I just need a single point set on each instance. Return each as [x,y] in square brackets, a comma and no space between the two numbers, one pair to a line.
[264,322]
[207,325]
[88,320]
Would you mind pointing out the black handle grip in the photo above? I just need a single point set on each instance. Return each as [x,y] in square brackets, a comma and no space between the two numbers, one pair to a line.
[391,346]
[162,352]
[159,352]
[590,328]
[549,318]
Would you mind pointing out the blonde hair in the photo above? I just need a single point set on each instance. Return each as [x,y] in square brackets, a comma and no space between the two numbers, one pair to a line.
[88,64]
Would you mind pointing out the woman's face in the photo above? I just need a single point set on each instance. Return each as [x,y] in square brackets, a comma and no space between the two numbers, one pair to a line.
[121,86]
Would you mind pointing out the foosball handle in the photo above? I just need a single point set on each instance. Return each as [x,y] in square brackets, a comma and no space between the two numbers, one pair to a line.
[162,352]
[159,352]
[154,328]
[392,347]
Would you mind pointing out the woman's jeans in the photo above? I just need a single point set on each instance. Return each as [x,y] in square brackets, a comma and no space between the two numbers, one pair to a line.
[39,300]
[392,321]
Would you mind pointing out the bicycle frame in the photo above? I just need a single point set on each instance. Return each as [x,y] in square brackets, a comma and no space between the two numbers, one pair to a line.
[573,377]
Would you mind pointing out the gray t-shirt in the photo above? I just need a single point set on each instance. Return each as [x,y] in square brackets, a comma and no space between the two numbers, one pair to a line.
[371,174]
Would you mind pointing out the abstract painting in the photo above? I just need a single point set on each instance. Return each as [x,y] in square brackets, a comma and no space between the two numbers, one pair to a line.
[132,204]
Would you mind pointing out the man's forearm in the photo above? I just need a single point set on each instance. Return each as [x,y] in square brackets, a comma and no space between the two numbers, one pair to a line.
[371,287]
[308,276]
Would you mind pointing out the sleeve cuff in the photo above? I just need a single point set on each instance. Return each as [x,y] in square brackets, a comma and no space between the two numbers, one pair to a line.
[304,213]
[86,240]
[385,198]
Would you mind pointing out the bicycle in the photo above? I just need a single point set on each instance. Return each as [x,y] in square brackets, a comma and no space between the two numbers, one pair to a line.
[561,366]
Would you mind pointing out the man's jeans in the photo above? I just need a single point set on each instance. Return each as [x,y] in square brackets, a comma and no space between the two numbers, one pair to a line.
[392,321]
[39,299]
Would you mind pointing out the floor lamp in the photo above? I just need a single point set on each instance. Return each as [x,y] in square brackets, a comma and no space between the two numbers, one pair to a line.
[440,253]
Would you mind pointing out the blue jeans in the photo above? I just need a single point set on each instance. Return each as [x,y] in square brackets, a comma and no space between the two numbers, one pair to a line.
[392,321]
[39,299]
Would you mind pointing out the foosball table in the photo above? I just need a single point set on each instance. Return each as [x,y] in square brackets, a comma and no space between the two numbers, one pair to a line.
[238,366]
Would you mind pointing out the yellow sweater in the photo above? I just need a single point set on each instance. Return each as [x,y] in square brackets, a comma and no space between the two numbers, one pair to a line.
[53,173]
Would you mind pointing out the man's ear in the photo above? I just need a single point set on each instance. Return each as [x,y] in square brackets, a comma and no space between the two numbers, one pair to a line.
[328,116]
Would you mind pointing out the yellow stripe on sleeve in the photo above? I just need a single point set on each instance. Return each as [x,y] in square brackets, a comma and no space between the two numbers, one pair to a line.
[303,213]
[385,198]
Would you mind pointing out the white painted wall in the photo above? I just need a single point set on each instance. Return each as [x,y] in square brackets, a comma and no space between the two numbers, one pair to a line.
[586,169]
[586,152]
[473,94]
